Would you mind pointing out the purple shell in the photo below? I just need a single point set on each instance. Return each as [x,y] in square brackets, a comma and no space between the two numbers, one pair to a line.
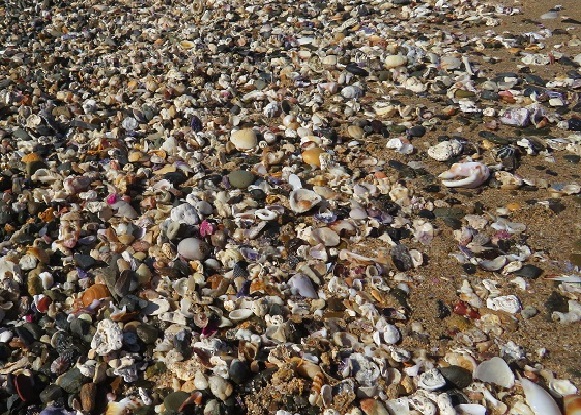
[55,411]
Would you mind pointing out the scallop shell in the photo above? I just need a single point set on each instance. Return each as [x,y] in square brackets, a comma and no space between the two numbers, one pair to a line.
[303,200]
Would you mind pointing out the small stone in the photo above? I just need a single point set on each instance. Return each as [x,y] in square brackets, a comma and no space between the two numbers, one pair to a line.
[174,401]
[88,393]
[572,158]
[51,393]
[147,333]
[220,387]
[401,257]
[417,131]
[34,284]
[71,381]
[240,179]
[529,312]
[529,271]
[193,249]
[556,302]
[84,262]
[456,375]
[575,259]
[239,371]
[449,212]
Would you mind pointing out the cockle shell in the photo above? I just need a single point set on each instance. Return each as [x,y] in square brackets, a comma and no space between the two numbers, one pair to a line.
[538,399]
[244,140]
[303,200]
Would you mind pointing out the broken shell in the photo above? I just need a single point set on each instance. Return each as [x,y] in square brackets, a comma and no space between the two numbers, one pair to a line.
[240,314]
[431,380]
[445,150]
[395,61]
[303,200]
[572,404]
[508,303]
[495,371]
[470,409]
[472,174]
[561,387]
[95,292]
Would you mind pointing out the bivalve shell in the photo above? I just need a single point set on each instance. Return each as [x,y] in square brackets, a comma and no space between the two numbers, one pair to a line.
[395,61]
[303,200]
[244,140]
[495,371]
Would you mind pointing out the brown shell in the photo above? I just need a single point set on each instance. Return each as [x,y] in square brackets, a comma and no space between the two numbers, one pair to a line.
[95,292]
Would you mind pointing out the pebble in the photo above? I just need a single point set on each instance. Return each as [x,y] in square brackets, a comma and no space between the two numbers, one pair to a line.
[240,179]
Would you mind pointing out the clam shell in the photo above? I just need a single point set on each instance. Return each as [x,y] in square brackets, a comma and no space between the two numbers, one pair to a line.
[562,387]
[303,200]
[240,314]
[244,140]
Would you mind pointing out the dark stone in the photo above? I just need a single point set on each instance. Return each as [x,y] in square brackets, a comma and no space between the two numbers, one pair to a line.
[556,302]
[400,254]
[457,376]
[239,371]
[469,268]
[490,95]
[356,70]
[51,393]
[572,158]
[443,311]
[417,131]
[575,124]
[556,206]
[529,271]
[85,262]
[426,214]
[449,212]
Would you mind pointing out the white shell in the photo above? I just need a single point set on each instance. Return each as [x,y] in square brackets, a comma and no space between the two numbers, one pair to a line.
[495,371]
[561,387]
[538,399]
[185,213]
[240,314]
[193,249]
[470,175]
[508,303]
[470,409]
[423,404]
[449,62]
[351,92]
[303,200]
[431,380]
[445,150]
[326,236]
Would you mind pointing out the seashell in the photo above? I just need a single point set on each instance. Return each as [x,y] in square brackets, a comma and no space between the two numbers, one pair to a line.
[423,404]
[445,150]
[244,140]
[352,92]
[311,156]
[388,334]
[507,303]
[240,314]
[372,406]
[303,200]
[472,174]
[495,371]
[431,380]
[395,61]
[302,285]
[538,399]
[125,405]
[508,181]
[562,387]
[535,59]
[325,236]
[450,62]
[572,404]
[185,213]
[95,292]
[470,409]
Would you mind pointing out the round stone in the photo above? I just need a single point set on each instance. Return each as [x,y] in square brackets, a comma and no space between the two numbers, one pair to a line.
[417,131]
[240,179]
[457,376]
[174,400]
[146,333]
[193,249]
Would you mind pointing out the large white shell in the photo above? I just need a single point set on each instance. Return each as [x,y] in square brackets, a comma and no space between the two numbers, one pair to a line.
[495,371]
[303,200]
[507,303]
[539,399]
[470,409]
[469,175]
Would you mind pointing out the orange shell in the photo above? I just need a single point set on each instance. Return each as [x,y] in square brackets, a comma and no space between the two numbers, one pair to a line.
[30,157]
[572,404]
[95,292]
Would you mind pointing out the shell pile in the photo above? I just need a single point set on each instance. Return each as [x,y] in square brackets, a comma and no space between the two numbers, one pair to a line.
[228,207]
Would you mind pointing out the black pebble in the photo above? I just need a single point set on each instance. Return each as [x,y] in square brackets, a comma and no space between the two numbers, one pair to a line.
[469,268]
[529,271]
